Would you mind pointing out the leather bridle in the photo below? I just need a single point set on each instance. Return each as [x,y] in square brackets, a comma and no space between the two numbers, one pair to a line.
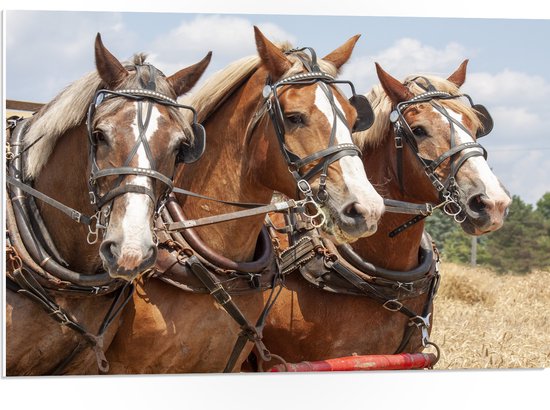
[147,97]
[334,151]
[447,188]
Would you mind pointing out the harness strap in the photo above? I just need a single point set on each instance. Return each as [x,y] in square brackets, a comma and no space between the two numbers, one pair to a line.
[402,207]
[279,206]
[425,311]
[393,304]
[125,189]
[72,213]
[209,198]
[24,283]
[367,289]
[406,225]
[126,170]
[216,289]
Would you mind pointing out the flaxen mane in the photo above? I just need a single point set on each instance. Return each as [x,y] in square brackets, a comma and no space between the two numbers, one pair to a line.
[222,84]
[382,107]
[69,108]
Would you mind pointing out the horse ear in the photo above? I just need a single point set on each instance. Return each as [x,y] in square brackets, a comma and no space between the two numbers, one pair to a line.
[342,54]
[186,78]
[459,76]
[393,88]
[109,68]
[273,58]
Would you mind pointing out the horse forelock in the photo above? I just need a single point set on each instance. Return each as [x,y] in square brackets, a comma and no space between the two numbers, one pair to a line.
[382,106]
[69,108]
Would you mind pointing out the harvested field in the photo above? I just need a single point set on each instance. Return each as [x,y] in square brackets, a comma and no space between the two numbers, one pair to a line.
[485,320]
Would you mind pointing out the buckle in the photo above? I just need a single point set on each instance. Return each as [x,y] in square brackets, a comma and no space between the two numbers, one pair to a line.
[221,296]
[393,305]
[398,142]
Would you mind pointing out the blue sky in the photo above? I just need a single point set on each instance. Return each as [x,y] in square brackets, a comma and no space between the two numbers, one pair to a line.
[509,69]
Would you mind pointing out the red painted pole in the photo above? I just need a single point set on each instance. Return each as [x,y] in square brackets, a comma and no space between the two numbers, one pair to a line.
[401,361]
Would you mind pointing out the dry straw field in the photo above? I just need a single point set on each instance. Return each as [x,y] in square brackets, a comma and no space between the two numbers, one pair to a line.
[484,320]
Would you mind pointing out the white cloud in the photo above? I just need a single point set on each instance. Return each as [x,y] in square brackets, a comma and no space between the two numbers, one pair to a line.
[406,56]
[55,48]
[515,120]
[228,37]
[517,101]
[513,165]
[508,85]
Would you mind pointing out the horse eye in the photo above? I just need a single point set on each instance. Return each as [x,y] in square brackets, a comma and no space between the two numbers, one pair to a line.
[99,136]
[295,119]
[419,132]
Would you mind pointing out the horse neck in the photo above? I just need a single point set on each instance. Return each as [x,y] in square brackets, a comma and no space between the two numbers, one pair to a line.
[222,173]
[401,251]
[64,178]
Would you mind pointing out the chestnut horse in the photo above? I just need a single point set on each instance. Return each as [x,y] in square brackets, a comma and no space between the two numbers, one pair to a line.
[263,115]
[102,153]
[421,149]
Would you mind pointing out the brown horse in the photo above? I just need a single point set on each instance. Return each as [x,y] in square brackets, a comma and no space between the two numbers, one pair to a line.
[256,134]
[380,288]
[102,152]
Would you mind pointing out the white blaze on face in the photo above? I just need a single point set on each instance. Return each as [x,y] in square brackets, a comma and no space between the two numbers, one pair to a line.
[479,168]
[352,167]
[135,223]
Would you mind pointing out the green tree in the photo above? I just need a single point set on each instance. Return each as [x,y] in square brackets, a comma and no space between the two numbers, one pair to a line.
[543,209]
[543,206]
[517,247]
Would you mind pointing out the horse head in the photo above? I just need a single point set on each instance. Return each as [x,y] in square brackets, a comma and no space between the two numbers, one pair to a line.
[436,128]
[138,132]
[311,124]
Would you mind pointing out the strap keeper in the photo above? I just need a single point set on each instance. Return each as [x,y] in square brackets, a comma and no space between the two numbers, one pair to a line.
[221,296]
[75,215]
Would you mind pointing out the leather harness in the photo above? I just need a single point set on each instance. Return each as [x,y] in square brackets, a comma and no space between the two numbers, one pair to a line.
[338,269]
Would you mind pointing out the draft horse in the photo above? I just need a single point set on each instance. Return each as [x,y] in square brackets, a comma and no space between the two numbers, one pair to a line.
[374,296]
[265,115]
[98,160]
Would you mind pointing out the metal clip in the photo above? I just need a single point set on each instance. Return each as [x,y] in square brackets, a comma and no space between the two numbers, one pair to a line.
[93,232]
[304,187]
[312,217]
[423,323]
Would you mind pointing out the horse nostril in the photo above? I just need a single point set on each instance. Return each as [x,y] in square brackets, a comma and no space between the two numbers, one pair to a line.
[110,251]
[355,210]
[477,203]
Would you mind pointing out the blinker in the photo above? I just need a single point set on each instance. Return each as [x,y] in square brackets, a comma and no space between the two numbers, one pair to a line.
[365,113]
[191,153]
[485,118]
